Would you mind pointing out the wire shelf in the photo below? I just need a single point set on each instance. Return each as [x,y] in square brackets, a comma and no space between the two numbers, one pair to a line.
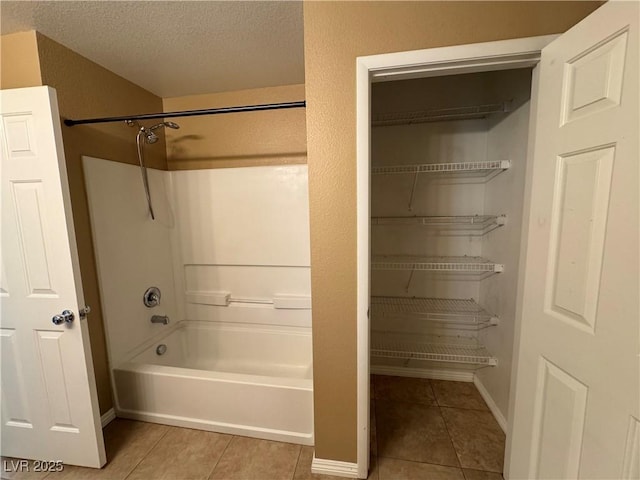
[456,225]
[446,310]
[482,170]
[461,265]
[439,114]
[382,346]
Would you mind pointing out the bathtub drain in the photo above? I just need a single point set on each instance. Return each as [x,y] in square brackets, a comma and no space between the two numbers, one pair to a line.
[161,349]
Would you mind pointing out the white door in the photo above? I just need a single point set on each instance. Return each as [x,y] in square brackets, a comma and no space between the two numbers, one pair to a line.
[577,400]
[49,401]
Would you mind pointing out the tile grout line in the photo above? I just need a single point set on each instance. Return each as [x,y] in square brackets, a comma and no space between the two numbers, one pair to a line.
[487,409]
[295,469]
[221,455]
[440,407]
[454,448]
[438,404]
[435,396]
[421,463]
[430,405]
[149,451]
[465,408]
[459,466]
[473,410]
[453,445]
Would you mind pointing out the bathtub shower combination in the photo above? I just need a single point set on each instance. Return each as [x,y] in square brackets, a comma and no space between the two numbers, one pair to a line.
[207,304]
[253,381]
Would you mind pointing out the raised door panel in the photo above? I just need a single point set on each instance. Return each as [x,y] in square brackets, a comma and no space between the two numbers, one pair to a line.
[558,423]
[593,78]
[30,210]
[15,401]
[578,229]
[50,354]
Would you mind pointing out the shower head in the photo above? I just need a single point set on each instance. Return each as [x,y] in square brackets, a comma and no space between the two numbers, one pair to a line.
[152,137]
[149,135]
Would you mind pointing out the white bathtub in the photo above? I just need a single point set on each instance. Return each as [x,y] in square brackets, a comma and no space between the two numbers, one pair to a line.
[252,380]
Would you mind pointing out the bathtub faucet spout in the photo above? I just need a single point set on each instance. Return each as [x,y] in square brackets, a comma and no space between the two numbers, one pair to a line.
[163,319]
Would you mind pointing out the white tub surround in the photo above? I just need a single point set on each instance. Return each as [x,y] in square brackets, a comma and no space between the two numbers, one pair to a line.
[242,239]
[132,251]
[230,252]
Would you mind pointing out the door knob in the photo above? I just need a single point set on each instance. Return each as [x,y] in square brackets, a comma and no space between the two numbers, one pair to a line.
[66,316]
[151,297]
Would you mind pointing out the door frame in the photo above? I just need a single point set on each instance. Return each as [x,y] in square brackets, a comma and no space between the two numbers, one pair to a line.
[471,58]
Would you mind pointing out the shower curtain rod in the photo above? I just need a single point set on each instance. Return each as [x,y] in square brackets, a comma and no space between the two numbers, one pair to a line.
[189,113]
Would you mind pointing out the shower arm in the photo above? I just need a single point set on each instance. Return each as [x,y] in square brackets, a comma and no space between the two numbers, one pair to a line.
[143,171]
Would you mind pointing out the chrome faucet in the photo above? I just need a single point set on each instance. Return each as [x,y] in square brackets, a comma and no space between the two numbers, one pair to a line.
[163,319]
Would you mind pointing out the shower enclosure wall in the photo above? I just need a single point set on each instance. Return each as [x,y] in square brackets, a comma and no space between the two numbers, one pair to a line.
[229,252]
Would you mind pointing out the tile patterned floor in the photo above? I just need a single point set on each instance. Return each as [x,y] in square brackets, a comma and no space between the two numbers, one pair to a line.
[433,429]
[420,429]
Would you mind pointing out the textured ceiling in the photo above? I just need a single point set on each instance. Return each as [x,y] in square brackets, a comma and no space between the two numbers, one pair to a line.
[175,48]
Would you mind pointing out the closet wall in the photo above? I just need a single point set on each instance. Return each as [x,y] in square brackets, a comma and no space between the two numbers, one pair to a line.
[445,244]
[507,138]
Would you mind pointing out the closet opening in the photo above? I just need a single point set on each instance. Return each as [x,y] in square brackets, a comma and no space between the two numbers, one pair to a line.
[442,163]
[448,161]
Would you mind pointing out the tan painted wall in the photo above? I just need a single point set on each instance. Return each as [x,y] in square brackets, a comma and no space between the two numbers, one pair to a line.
[274,137]
[19,62]
[86,89]
[335,33]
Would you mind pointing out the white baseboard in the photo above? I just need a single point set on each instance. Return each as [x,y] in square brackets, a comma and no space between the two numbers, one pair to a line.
[322,466]
[491,404]
[435,374]
[108,417]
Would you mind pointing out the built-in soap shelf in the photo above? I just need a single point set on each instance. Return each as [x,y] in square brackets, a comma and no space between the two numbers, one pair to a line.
[221,299]
[224,299]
